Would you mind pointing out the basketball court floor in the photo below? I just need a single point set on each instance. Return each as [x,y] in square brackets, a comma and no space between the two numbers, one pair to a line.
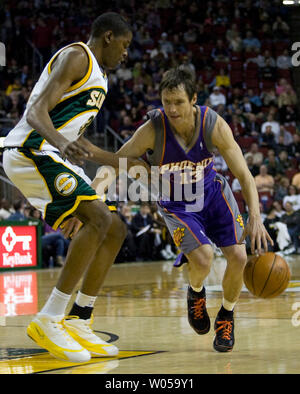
[142,309]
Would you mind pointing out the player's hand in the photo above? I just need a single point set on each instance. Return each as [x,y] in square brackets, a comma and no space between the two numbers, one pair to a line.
[259,236]
[76,152]
[70,227]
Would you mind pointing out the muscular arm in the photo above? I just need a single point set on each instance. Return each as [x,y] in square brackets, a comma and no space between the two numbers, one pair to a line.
[142,140]
[70,66]
[222,138]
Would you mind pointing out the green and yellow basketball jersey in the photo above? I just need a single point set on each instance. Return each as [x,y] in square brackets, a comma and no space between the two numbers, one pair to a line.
[74,112]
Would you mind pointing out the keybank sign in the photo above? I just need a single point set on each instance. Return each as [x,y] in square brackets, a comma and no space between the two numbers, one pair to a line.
[2,54]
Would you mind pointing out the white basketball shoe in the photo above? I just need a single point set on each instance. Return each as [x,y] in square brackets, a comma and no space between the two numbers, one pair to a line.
[48,332]
[81,330]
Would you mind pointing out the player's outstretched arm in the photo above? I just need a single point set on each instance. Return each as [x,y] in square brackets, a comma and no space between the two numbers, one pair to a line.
[142,140]
[223,139]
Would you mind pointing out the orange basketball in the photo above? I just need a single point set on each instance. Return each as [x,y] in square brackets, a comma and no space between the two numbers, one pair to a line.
[267,276]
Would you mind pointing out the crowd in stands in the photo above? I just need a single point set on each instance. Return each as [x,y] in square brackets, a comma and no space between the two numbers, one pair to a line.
[240,54]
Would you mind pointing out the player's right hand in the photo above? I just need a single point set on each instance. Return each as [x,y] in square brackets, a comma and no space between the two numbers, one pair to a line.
[70,227]
[76,151]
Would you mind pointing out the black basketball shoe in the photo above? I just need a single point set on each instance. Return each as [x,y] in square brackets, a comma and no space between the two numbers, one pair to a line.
[224,332]
[197,313]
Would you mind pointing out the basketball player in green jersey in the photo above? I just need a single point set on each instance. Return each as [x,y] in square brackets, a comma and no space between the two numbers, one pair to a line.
[40,154]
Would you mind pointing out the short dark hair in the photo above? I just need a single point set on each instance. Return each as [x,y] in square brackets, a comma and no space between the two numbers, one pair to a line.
[110,21]
[179,76]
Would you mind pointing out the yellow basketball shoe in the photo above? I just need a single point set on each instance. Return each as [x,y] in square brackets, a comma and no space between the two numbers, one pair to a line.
[81,331]
[48,332]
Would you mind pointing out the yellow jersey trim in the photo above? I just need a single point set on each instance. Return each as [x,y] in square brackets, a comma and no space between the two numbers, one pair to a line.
[87,75]
[75,206]
[68,121]
[44,180]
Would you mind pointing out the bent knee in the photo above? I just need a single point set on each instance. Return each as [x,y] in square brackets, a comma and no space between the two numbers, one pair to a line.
[237,256]
[201,257]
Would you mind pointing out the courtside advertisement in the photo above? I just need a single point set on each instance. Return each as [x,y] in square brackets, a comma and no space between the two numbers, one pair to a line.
[18,247]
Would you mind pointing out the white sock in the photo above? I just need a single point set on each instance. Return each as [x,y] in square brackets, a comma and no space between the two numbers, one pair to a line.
[56,303]
[85,300]
[197,289]
[228,305]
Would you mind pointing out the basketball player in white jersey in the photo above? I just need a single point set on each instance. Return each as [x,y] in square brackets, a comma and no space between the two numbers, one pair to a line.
[40,154]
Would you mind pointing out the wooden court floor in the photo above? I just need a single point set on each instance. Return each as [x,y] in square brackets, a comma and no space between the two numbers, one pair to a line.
[142,309]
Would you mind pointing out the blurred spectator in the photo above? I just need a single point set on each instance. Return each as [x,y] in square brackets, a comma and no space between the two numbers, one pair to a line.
[269,98]
[264,182]
[217,97]
[4,209]
[166,45]
[283,61]
[281,188]
[54,245]
[219,162]
[128,250]
[253,168]
[273,163]
[257,155]
[222,79]
[267,139]
[275,126]
[292,219]
[220,52]
[267,71]
[235,186]
[280,28]
[124,73]
[18,215]
[127,128]
[266,60]
[293,198]
[294,148]
[250,41]
[296,179]
[141,226]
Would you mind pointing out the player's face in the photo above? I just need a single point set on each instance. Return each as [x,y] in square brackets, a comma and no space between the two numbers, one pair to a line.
[177,105]
[117,50]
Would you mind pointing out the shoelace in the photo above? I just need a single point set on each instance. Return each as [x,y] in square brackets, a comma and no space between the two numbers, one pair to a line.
[86,323]
[58,325]
[227,327]
[198,308]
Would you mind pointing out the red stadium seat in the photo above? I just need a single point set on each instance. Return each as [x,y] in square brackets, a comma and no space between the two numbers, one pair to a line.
[266,198]
[263,150]
[236,65]
[245,142]
[252,83]
[290,173]
[236,77]
[292,129]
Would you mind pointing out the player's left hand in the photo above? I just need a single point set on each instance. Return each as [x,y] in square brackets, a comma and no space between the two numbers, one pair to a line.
[258,235]
[70,227]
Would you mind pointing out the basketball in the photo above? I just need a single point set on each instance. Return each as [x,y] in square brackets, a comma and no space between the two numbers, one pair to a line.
[267,276]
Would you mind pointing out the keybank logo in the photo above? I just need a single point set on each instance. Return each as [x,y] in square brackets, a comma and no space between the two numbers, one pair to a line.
[2,54]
